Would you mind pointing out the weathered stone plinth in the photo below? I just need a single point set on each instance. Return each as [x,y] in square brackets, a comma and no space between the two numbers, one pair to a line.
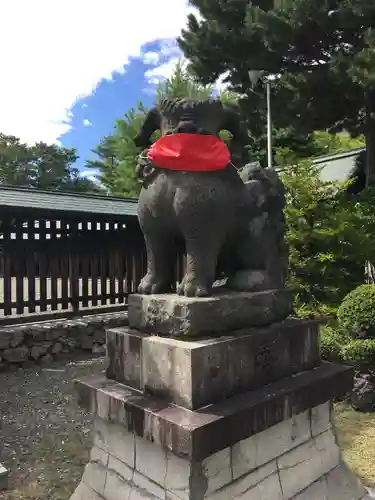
[206,371]
[273,443]
[177,316]
[243,416]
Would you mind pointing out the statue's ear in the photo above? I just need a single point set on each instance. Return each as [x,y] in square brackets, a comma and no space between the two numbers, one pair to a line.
[150,125]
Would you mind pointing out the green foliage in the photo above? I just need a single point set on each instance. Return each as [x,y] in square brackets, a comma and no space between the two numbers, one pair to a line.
[328,235]
[322,52]
[117,155]
[332,341]
[337,346]
[182,84]
[314,310]
[43,166]
[361,354]
[356,314]
[331,143]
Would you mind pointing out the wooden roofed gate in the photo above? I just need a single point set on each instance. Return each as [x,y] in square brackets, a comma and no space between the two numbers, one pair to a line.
[64,254]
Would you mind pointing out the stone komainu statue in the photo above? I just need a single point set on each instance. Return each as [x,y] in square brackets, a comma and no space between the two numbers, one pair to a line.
[231,222]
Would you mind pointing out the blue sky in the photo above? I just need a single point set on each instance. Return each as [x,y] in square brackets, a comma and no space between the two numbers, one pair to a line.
[76,66]
[94,116]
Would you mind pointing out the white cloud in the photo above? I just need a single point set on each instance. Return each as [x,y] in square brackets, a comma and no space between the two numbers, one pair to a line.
[92,174]
[86,123]
[164,63]
[159,73]
[156,75]
[60,51]
[151,58]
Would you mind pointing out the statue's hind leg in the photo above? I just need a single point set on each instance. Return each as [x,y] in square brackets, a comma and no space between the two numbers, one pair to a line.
[160,260]
[202,254]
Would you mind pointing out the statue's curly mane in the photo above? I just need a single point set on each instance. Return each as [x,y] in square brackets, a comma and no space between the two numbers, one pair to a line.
[188,107]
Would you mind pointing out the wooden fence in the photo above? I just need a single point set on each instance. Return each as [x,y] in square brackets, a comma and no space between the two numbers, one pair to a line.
[67,265]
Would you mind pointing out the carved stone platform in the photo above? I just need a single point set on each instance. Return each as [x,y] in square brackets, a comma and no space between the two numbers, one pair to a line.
[244,416]
[206,371]
[273,443]
[177,316]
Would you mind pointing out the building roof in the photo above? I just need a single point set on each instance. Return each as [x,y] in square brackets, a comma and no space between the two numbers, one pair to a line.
[338,166]
[37,199]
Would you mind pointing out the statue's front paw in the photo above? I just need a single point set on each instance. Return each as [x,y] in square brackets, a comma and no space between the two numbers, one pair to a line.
[151,284]
[193,287]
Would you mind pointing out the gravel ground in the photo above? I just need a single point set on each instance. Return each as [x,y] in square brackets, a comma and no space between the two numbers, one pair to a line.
[44,435]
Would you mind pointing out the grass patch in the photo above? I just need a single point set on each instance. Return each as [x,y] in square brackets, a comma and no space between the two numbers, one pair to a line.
[55,470]
[356,434]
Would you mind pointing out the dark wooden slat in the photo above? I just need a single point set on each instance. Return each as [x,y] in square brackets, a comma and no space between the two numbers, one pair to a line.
[139,261]
[85,269]
[120,270]
[112,265]
[94,279]
[7,280]
[74,266]
[31,267]
[42,261]
[129,265]
[19,261]
[31,272]
[54,269]
[64,266]
[112,276]
[103,270]
[103,275]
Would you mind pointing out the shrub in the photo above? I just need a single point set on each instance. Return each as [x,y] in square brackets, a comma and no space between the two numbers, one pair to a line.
[361,354]
[356,314]
[336,345]
[329,236]
[332,341]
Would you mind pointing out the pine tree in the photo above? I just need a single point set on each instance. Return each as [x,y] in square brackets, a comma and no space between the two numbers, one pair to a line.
[322,50]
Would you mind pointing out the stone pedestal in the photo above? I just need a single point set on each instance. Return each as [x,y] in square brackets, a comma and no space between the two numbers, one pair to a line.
[177,316]
[242,416]
[4,473]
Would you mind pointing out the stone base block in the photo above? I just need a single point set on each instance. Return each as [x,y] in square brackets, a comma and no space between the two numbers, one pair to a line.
[203,372]
[297,459]
[199,434]
[175,316]
[4,474]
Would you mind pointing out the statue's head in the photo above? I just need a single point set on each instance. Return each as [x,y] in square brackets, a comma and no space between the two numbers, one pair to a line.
[190,116]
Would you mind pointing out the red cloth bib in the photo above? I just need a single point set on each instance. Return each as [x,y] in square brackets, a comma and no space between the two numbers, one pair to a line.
[190,153]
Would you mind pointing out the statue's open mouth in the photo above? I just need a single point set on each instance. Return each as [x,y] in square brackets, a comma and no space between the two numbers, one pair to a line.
[190,152]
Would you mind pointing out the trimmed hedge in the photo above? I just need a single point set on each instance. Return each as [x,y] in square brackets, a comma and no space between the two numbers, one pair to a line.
[360,353]
[356,314]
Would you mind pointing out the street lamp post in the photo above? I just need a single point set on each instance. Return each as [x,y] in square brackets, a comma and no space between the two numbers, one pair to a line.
[254,76]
